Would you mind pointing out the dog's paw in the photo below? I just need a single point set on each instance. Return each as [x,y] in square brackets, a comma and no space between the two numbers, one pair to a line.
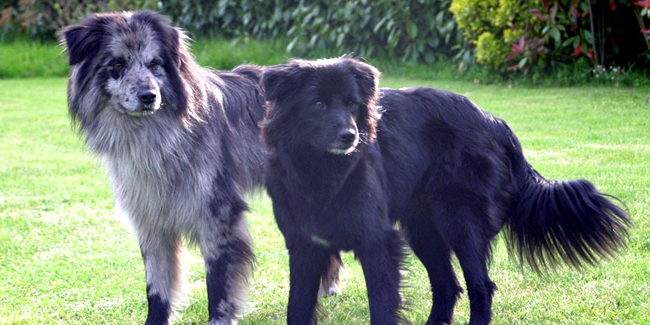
[332,290]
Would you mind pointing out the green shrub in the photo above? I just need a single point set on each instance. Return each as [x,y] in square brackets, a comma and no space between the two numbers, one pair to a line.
[417,30]
[228,18]
[493,26]
[531,35]
[42,19]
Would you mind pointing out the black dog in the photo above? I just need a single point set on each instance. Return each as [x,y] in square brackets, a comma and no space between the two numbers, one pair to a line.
[453,176]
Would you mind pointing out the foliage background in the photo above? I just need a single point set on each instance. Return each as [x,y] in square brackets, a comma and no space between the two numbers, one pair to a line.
[504,37]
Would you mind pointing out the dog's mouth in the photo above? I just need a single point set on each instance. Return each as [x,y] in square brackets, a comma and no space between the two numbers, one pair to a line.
[145,110]
[343,150]
[344,147]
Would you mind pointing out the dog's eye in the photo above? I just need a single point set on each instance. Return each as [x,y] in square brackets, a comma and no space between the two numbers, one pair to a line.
[319,105]
[353,106]
[154,64]
[117,65]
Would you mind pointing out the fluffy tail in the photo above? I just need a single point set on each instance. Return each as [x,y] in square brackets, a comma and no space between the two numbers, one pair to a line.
[554,221]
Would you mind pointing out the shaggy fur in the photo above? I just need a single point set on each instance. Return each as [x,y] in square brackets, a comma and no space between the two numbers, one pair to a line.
[451,174]
[181,144]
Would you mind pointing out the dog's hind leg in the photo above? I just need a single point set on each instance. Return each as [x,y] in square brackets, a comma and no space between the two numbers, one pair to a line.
[429,246]
[480,289]
[226,247]
[381,263]
[330,283]
[163,256]
[464,228]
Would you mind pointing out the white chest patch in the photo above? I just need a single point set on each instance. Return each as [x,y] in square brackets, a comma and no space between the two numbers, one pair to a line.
[320,241]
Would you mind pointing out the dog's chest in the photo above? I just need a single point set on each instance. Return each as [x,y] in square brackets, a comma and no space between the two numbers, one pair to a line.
[161,193]
[340,220]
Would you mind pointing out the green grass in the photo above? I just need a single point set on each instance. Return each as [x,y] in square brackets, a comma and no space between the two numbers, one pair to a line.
[66,259]
[23,59]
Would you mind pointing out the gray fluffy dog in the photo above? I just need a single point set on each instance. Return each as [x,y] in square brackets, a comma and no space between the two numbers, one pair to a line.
[181,144]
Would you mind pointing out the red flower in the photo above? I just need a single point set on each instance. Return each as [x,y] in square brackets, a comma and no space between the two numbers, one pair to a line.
[612,5]
[643,3]
[578,51]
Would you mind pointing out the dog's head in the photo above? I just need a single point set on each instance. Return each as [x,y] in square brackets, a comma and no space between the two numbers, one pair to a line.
[330,105]
[130,63]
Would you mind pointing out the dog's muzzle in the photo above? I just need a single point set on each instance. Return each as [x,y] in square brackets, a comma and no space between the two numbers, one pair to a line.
[147,100]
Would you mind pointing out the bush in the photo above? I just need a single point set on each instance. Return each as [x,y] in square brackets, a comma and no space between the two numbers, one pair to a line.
[418,30]
[42,19]
[531,35]
[227,18]
[504,35]
[493,26]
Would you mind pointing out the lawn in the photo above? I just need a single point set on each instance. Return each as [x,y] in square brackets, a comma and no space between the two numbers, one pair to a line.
[65,258]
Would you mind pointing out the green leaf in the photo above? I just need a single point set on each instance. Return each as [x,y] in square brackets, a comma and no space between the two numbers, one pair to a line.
[313,40]
[339,39]
[568,41]
[292,30]
[522,62]
[429,58]
[412,29]
[450,25]
[390,24]
[440,17]
[555,33]
[292,44]
[393,38]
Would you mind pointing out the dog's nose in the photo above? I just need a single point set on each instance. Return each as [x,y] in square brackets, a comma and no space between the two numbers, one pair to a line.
[347,136]
[146,96]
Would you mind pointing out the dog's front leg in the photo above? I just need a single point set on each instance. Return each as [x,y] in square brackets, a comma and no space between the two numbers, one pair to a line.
[307,262]
[162,254]
[380,263]
[226,247]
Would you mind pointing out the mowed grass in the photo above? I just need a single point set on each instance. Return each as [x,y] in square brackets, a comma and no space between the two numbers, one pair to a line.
[66,259]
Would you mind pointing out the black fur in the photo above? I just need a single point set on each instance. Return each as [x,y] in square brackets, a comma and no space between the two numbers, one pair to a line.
[451,174]
[158,309]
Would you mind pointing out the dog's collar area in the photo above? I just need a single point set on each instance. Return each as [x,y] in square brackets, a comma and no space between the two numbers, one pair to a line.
[320,241]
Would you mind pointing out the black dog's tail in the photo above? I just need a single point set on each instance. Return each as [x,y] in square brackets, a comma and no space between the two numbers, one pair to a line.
[552,221]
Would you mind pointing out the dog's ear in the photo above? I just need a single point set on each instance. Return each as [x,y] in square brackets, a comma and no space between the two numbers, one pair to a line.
[281,80]
[367,77]
[83,40]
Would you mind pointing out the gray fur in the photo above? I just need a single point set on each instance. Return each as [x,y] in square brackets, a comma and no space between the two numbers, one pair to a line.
[178,166]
